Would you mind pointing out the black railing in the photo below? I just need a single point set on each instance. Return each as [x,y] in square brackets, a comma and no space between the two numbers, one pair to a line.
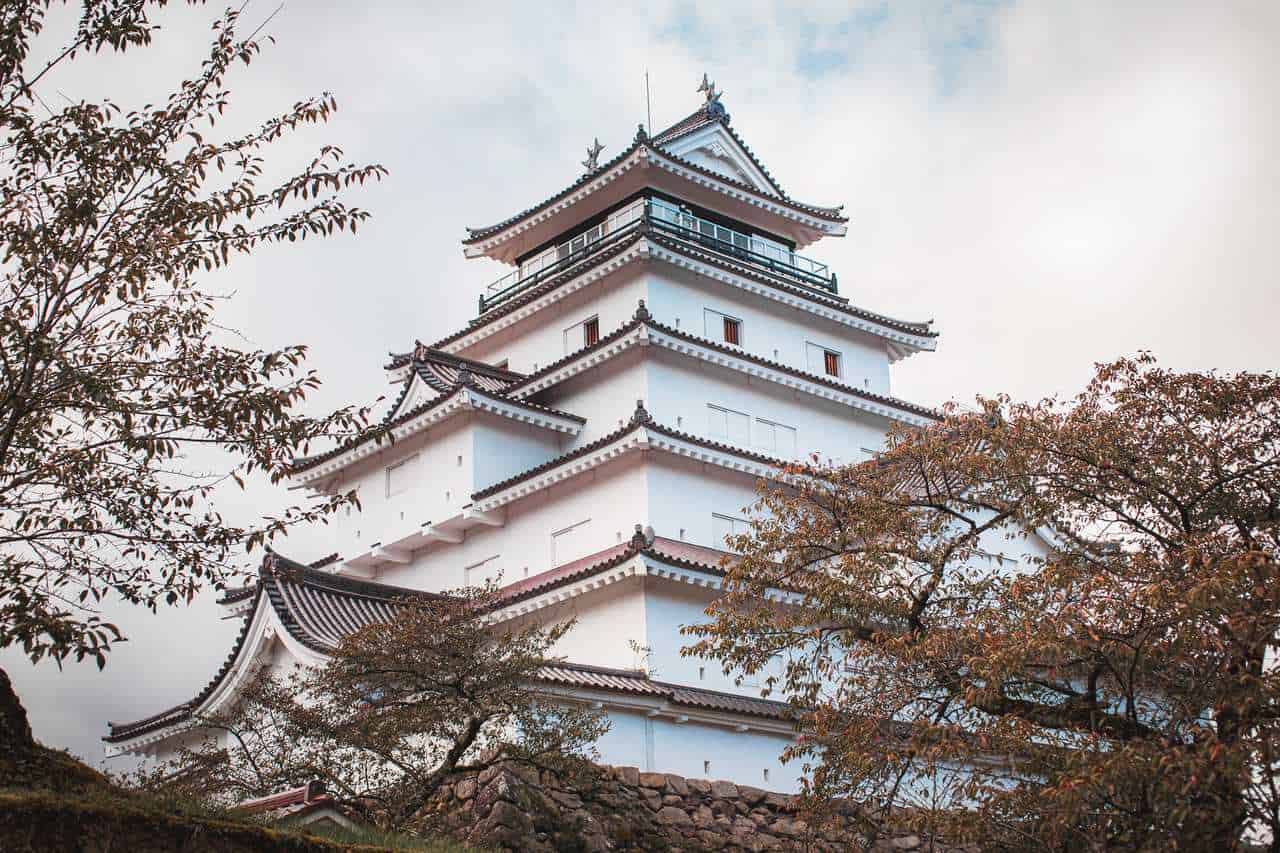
[671,220]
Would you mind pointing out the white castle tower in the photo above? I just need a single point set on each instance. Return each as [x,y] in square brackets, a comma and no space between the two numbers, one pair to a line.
[592,435]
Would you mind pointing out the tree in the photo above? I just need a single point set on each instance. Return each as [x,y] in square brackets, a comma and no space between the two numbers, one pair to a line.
[113,372]
[395,710]
[1115,692]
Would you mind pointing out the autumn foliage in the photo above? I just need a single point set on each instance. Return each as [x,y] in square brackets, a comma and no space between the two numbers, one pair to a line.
[1046,626]
[393,712]
[125,403]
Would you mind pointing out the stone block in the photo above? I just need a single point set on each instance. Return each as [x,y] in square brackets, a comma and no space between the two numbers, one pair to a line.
[699,786]
[677,785]
[781,802]
[465,790]
[627,775]
[724,790]
[750,795]
[657,781]
[672,816]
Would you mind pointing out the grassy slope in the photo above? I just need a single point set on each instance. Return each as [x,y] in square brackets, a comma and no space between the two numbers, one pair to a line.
[49,801]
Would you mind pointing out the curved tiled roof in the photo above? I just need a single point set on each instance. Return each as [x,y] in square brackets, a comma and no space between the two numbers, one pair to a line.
[640,420]
[833,214]
[833,301]
[394,420]
[839,303]
[644,318]
[315,607]
[703,117]
[441,361]
[318,609]
[638,683]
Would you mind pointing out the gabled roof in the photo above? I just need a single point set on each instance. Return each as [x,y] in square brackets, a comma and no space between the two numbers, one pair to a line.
[642,141]
[466,384]
[315,607]
[706,116]
[318,608]
[442,370]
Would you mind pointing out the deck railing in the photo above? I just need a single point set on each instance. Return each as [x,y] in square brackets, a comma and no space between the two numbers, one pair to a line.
[670,219]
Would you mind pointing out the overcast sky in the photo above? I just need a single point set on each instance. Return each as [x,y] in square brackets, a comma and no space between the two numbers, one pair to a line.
[1054,183]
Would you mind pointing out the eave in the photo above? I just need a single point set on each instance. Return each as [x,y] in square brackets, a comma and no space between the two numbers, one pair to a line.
[642,165]
[292,601]
[902,338]
[643,330]
[462,400]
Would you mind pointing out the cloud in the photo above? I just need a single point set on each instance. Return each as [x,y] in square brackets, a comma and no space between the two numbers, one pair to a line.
[1055,184]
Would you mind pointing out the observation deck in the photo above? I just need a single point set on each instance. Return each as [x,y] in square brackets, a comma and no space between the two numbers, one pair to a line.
[668,218]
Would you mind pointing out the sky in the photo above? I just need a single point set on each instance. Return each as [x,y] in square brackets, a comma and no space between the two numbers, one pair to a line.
[1054,184]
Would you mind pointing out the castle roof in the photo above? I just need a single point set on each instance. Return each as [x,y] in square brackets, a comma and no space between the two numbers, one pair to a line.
[468,389]
[777,286]
[318,608]
[755,182]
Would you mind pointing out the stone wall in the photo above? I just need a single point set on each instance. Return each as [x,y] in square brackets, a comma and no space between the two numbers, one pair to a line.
[622,809]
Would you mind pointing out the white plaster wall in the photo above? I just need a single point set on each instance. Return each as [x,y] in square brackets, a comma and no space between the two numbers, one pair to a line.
[537,341]
[437,482]
[611,498]
[684,494]
[662,745]
[679,297]
[502,448]
[610,620]
[681,389]
[605,394]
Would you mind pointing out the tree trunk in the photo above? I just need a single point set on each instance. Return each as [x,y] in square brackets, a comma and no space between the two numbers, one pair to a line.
[15,731]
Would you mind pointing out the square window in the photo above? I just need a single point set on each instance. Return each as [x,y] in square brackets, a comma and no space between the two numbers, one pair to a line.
[722,327]
[821,359]
[591,331]
[732,331]
[398,478]
[831,362]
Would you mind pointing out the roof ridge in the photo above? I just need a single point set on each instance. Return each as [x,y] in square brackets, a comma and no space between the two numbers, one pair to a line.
[475,235]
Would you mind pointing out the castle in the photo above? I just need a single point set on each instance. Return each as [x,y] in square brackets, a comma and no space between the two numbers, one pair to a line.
[593,434]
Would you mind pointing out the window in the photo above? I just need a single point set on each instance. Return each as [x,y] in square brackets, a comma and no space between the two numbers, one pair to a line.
[823,360]
[732,331]
[581,334]
[398,476]
[724,526]
[778,439]
[831,363]
[728,425]
[570,543]
[722,327]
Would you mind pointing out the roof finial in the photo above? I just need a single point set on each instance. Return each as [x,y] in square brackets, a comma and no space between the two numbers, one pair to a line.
[466,378]
[641,134]
[642,313]
[641,414]
[593,156]
[637,539]
[714,108]
[419,350]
